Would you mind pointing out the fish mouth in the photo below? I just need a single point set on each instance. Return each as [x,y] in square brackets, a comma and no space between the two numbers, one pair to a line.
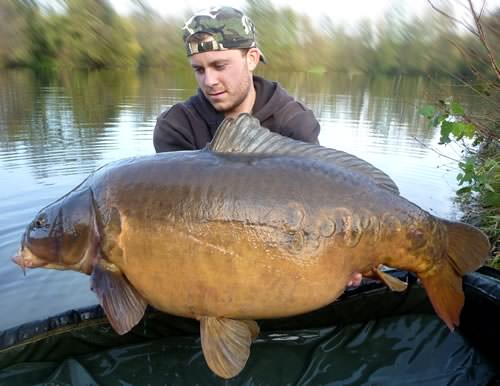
[24,258]
[19,260]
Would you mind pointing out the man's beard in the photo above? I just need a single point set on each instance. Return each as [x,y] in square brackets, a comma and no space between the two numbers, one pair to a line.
[237,102]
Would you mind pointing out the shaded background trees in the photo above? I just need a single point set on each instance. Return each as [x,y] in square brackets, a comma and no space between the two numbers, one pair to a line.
[90,34]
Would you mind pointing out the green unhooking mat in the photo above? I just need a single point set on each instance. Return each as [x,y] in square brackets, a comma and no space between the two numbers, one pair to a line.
[370,336]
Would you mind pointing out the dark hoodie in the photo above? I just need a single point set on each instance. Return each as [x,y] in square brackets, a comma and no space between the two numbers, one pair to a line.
[192,124]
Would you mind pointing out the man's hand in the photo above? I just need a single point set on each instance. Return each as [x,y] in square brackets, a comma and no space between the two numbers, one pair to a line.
[355,280]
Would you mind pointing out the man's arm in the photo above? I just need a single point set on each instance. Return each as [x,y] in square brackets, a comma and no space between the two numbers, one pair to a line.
[173,131]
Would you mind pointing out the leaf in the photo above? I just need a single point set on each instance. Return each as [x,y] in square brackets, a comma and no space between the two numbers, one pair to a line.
[492,199]
[446,130]
[469,173]
[457,109]
[465,189]
[457,129]
[427,111]
[437,119]
[469,130]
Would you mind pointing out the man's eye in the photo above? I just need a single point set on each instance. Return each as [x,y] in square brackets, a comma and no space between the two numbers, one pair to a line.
[199,70]
[220,67]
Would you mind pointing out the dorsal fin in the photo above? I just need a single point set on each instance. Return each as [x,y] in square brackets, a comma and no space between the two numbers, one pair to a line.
[246,135]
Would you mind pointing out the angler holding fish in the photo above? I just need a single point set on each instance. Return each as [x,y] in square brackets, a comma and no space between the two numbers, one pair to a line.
[246,223]
[254,226]
[222,49]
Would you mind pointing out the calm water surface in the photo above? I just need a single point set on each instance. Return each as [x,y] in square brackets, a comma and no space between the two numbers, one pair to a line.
[54,132]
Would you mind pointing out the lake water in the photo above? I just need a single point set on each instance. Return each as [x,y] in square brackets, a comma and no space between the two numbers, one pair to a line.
[55,131]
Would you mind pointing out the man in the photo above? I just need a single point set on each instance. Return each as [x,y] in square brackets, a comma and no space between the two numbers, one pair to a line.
[223,53]
[221,46]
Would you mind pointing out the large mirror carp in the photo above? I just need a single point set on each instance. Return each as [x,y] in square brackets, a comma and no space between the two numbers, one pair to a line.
[254,226]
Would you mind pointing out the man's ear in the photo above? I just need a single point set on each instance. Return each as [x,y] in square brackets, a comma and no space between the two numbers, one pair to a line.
[253,57]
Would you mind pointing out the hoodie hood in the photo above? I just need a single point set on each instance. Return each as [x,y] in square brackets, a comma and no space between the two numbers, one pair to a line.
[270,98]
[192,124]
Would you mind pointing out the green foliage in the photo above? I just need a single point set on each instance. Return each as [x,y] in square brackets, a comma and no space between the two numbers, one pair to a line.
[94,36]
[448,115]
[479,176]
[15,42]
[90,34]
[160,40]
[478,133]
[87,34]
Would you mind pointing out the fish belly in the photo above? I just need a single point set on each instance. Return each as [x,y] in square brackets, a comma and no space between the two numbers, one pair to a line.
[227,270]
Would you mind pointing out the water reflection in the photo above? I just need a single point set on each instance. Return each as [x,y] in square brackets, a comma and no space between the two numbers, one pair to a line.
[71,122]
[55,130]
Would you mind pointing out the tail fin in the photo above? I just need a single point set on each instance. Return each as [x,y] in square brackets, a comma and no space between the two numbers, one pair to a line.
[468,248]
[444,288]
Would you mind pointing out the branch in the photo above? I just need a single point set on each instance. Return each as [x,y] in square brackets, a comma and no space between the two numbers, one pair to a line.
[467,56]
[482,118]
[452,18]
[468,85]
[434,150]
[482,37]
[485,131]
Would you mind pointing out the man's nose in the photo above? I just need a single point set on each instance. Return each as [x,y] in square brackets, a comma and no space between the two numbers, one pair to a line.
[210,78]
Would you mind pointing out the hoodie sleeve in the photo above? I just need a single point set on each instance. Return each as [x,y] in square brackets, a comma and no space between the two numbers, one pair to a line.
[299,122]
[173,131]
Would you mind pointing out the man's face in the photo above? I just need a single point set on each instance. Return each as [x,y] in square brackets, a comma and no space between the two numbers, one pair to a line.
[225,77]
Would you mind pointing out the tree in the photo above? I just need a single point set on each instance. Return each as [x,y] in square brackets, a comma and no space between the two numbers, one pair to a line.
[94,36]
[14,38]
[160,39]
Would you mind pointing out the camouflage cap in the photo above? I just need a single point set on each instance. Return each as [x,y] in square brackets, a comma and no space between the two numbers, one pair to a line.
[229,28]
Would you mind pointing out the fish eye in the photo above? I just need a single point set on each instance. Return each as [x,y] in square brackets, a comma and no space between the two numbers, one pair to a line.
[40,222]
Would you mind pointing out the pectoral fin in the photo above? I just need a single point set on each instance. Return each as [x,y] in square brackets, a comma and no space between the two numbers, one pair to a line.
[226,344]
[392,282]
[122,304]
